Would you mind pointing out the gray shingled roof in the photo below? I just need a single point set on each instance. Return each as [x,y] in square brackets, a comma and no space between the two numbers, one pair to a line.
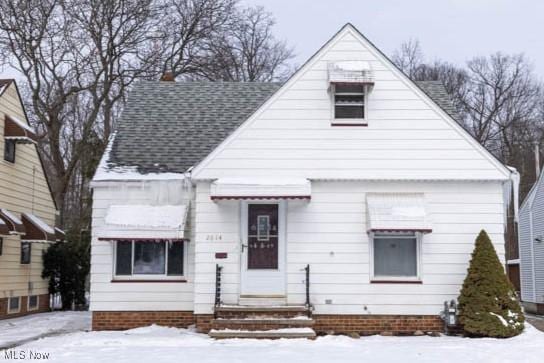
[171,126]
[438,93]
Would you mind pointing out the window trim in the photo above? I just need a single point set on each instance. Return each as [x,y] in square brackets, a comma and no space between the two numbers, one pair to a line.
[347,121]
[22,262]
[10,310]
[396,279]
[6,142]
[150,277]
[28,307]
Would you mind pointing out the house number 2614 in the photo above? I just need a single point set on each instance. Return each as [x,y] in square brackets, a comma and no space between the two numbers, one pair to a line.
[213,237]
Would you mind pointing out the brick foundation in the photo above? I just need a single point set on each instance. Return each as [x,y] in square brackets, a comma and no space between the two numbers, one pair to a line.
[203,322]
[43,306]
[122,320]
[375,324]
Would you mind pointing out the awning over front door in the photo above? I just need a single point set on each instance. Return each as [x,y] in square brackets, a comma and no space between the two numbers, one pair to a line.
[261,188]
[397,212]
[144,222]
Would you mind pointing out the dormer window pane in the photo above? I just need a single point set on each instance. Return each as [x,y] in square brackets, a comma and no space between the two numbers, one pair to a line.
[349,101]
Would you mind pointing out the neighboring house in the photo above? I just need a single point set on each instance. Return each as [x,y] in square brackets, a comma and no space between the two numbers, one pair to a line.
[27,211]
[531,248]
[348,173]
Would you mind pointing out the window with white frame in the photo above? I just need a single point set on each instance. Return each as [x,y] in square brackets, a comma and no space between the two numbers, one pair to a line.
[395,255]
[14,305]
[149,259]
[26,253]
[33,302]
[349,101]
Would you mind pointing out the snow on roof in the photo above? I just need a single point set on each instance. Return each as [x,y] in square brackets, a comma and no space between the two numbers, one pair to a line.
[106,172]
[11,216]
[39,223]
[396,211]
[147,216]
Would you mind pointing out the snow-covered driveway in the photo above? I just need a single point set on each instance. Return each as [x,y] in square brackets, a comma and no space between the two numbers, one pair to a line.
[156,344]
[20,330]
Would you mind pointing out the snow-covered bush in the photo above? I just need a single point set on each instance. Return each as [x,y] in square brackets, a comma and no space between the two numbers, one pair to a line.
[487,305]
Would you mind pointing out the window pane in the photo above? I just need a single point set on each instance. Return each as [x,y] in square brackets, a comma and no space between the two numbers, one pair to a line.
[25,252]
[349,112]
[9,150]
[149,258]
[123,265]
[13,303]
[349,88]
[175,259]
[33,301]
[395,257]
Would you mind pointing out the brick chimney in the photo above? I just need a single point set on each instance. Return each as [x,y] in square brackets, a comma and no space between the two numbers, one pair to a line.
[168,77]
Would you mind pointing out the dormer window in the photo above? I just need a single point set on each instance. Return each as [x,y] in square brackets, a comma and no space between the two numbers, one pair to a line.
[349,101]
[349,85]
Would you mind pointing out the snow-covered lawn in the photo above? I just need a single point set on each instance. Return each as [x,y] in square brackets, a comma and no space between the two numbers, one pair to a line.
[20,330]
[157,344]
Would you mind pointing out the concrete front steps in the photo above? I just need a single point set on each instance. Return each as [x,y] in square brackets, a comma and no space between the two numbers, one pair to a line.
[262,322]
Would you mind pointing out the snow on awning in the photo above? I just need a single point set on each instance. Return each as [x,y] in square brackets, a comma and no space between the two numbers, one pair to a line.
[144,222]
[36,230]
[15,225]
[358,72]
[397,212]
[261,188]
[21,132]
[60,236]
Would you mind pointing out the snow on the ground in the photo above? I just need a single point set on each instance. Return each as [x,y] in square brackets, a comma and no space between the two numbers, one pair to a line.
[157,344]
[19,330]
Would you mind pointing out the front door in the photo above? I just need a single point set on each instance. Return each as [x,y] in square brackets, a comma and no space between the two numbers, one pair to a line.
[263,265]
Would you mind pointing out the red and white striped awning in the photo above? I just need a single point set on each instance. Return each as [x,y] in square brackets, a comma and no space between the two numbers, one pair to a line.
[261,189]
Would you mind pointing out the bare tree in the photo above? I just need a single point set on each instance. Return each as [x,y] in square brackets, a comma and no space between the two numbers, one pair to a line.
[409,57]
[248,51]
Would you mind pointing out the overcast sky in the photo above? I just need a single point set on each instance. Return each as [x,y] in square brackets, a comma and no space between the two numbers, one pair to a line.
[452,30]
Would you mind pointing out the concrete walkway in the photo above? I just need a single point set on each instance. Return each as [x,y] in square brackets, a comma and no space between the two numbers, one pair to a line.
[536,320]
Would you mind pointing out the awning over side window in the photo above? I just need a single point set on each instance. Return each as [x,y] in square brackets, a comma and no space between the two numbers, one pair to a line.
[4,230]
[141,222]
[36,230]
[351,72]
[397,212]
[15,225]
[261,188]
[21,132]
[60,236]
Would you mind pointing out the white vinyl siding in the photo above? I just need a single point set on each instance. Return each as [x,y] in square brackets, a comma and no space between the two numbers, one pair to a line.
[406,138]
[133,296]
[329,233]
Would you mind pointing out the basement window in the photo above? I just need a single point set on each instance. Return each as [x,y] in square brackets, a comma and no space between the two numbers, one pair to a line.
[14,305]
[33,302]
[149,259]
[349,104]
